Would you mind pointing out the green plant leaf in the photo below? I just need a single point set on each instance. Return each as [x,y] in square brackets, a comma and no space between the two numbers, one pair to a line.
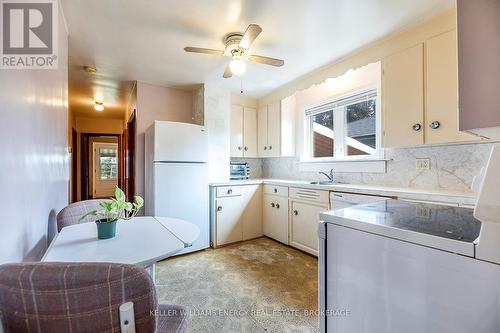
[139,201]
[92,213]
[119,194]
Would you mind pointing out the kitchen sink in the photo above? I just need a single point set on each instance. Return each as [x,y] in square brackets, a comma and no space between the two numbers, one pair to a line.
[326,182]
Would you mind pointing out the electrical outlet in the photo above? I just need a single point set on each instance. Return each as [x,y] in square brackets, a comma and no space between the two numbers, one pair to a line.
[423,163]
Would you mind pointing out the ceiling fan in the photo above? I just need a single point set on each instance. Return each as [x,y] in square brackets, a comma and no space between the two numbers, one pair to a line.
[237,46]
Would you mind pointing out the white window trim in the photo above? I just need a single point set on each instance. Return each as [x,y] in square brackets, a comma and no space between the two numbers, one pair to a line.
[340,135]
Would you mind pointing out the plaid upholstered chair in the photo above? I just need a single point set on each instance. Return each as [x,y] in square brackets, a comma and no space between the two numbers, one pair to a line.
[71,214]
[81,297]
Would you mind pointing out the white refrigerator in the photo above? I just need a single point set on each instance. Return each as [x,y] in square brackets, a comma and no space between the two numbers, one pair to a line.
[176,175]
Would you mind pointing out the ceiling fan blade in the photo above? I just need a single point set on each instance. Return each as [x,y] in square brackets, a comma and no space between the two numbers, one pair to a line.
[202,50]
[227,73]
[251,33]
[267,60]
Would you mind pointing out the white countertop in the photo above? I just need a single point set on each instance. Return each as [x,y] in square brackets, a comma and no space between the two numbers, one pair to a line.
[468,199]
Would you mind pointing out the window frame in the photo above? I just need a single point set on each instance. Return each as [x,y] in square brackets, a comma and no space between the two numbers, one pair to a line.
[340,129]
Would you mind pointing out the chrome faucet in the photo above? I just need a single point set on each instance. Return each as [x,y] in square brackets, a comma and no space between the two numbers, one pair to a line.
[329,176]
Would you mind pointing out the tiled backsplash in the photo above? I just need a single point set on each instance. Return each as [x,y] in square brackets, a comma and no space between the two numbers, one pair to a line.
[452,168]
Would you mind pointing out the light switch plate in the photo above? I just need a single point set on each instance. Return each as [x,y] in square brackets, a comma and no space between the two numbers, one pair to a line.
[423,163]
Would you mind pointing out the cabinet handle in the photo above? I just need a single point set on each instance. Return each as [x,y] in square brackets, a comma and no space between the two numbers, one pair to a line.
[272,204]
[239,148]
[435,124]
[278,206]
[270,147]
[265,147]
[219,208]
[295,212]
[275,190]
[229,191]
[416,127]
[246,148]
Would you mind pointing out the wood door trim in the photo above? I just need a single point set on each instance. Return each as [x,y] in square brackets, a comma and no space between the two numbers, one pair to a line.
[84,161]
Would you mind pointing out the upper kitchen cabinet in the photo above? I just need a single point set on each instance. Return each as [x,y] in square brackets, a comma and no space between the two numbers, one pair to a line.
[420,94]
[403,98]
[441,90]
[478,25]
[243,131]
[276,125]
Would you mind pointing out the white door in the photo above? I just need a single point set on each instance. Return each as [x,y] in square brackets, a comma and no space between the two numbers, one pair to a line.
[304,225]
[229,217]
[181,191]
[250,132]
[274,129]
[105,169]
[236,138]
[262,131]
[179,142]
[442,90]
[275,218]
[252,216]
[403,98]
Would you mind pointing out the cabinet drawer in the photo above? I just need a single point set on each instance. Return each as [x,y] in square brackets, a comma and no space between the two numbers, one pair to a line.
[309,194]
[276,190]
[228,191]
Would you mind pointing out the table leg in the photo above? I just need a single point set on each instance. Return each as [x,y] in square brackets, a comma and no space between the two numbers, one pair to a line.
[152,272]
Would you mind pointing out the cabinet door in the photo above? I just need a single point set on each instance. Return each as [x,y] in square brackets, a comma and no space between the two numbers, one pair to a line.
[250,132]
[229,213]
[275,217]
[274,129]
[304,225]
[236,139]
[252,216]
[262,131]
[442,90]
[403,98]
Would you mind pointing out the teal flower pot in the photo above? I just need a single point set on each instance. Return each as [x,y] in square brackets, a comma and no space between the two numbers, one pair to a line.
[106,230]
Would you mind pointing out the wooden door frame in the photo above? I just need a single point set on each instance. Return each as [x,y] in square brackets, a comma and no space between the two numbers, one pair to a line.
[129,155]
[84,160]
[74,165]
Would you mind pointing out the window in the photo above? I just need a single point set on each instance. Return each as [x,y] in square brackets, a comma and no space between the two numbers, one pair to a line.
[108,163]
[346,128]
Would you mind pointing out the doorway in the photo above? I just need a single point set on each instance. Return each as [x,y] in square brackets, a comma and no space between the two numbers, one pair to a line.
[104,159]
[100,165]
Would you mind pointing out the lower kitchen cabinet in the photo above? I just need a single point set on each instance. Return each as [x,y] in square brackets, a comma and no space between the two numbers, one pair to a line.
[275,217]
[304,225]
[229,217]
[237,214]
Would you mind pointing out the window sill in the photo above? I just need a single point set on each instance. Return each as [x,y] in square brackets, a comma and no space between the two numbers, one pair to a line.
[359,165]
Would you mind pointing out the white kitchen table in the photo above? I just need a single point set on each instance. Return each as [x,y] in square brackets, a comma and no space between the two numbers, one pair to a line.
[141,241]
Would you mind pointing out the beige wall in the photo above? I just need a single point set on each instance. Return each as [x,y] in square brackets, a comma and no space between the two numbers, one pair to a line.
[372,53]
[35,161]
[158,103]
[99,125]
[96,126]
[239,99]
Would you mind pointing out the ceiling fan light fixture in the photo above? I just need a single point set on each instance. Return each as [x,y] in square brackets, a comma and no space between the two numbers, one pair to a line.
[237,66]
[98,106]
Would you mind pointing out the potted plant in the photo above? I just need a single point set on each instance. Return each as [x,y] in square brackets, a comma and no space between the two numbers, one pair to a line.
[116,209]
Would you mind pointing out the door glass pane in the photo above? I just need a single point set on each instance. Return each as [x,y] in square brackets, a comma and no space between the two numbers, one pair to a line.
[361,128]
[108,160]
[322,134]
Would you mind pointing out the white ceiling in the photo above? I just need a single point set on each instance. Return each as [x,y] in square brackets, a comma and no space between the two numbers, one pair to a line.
[144,40]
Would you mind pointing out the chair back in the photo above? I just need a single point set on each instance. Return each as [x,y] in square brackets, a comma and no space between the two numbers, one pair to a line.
[72,214]
[74,297]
